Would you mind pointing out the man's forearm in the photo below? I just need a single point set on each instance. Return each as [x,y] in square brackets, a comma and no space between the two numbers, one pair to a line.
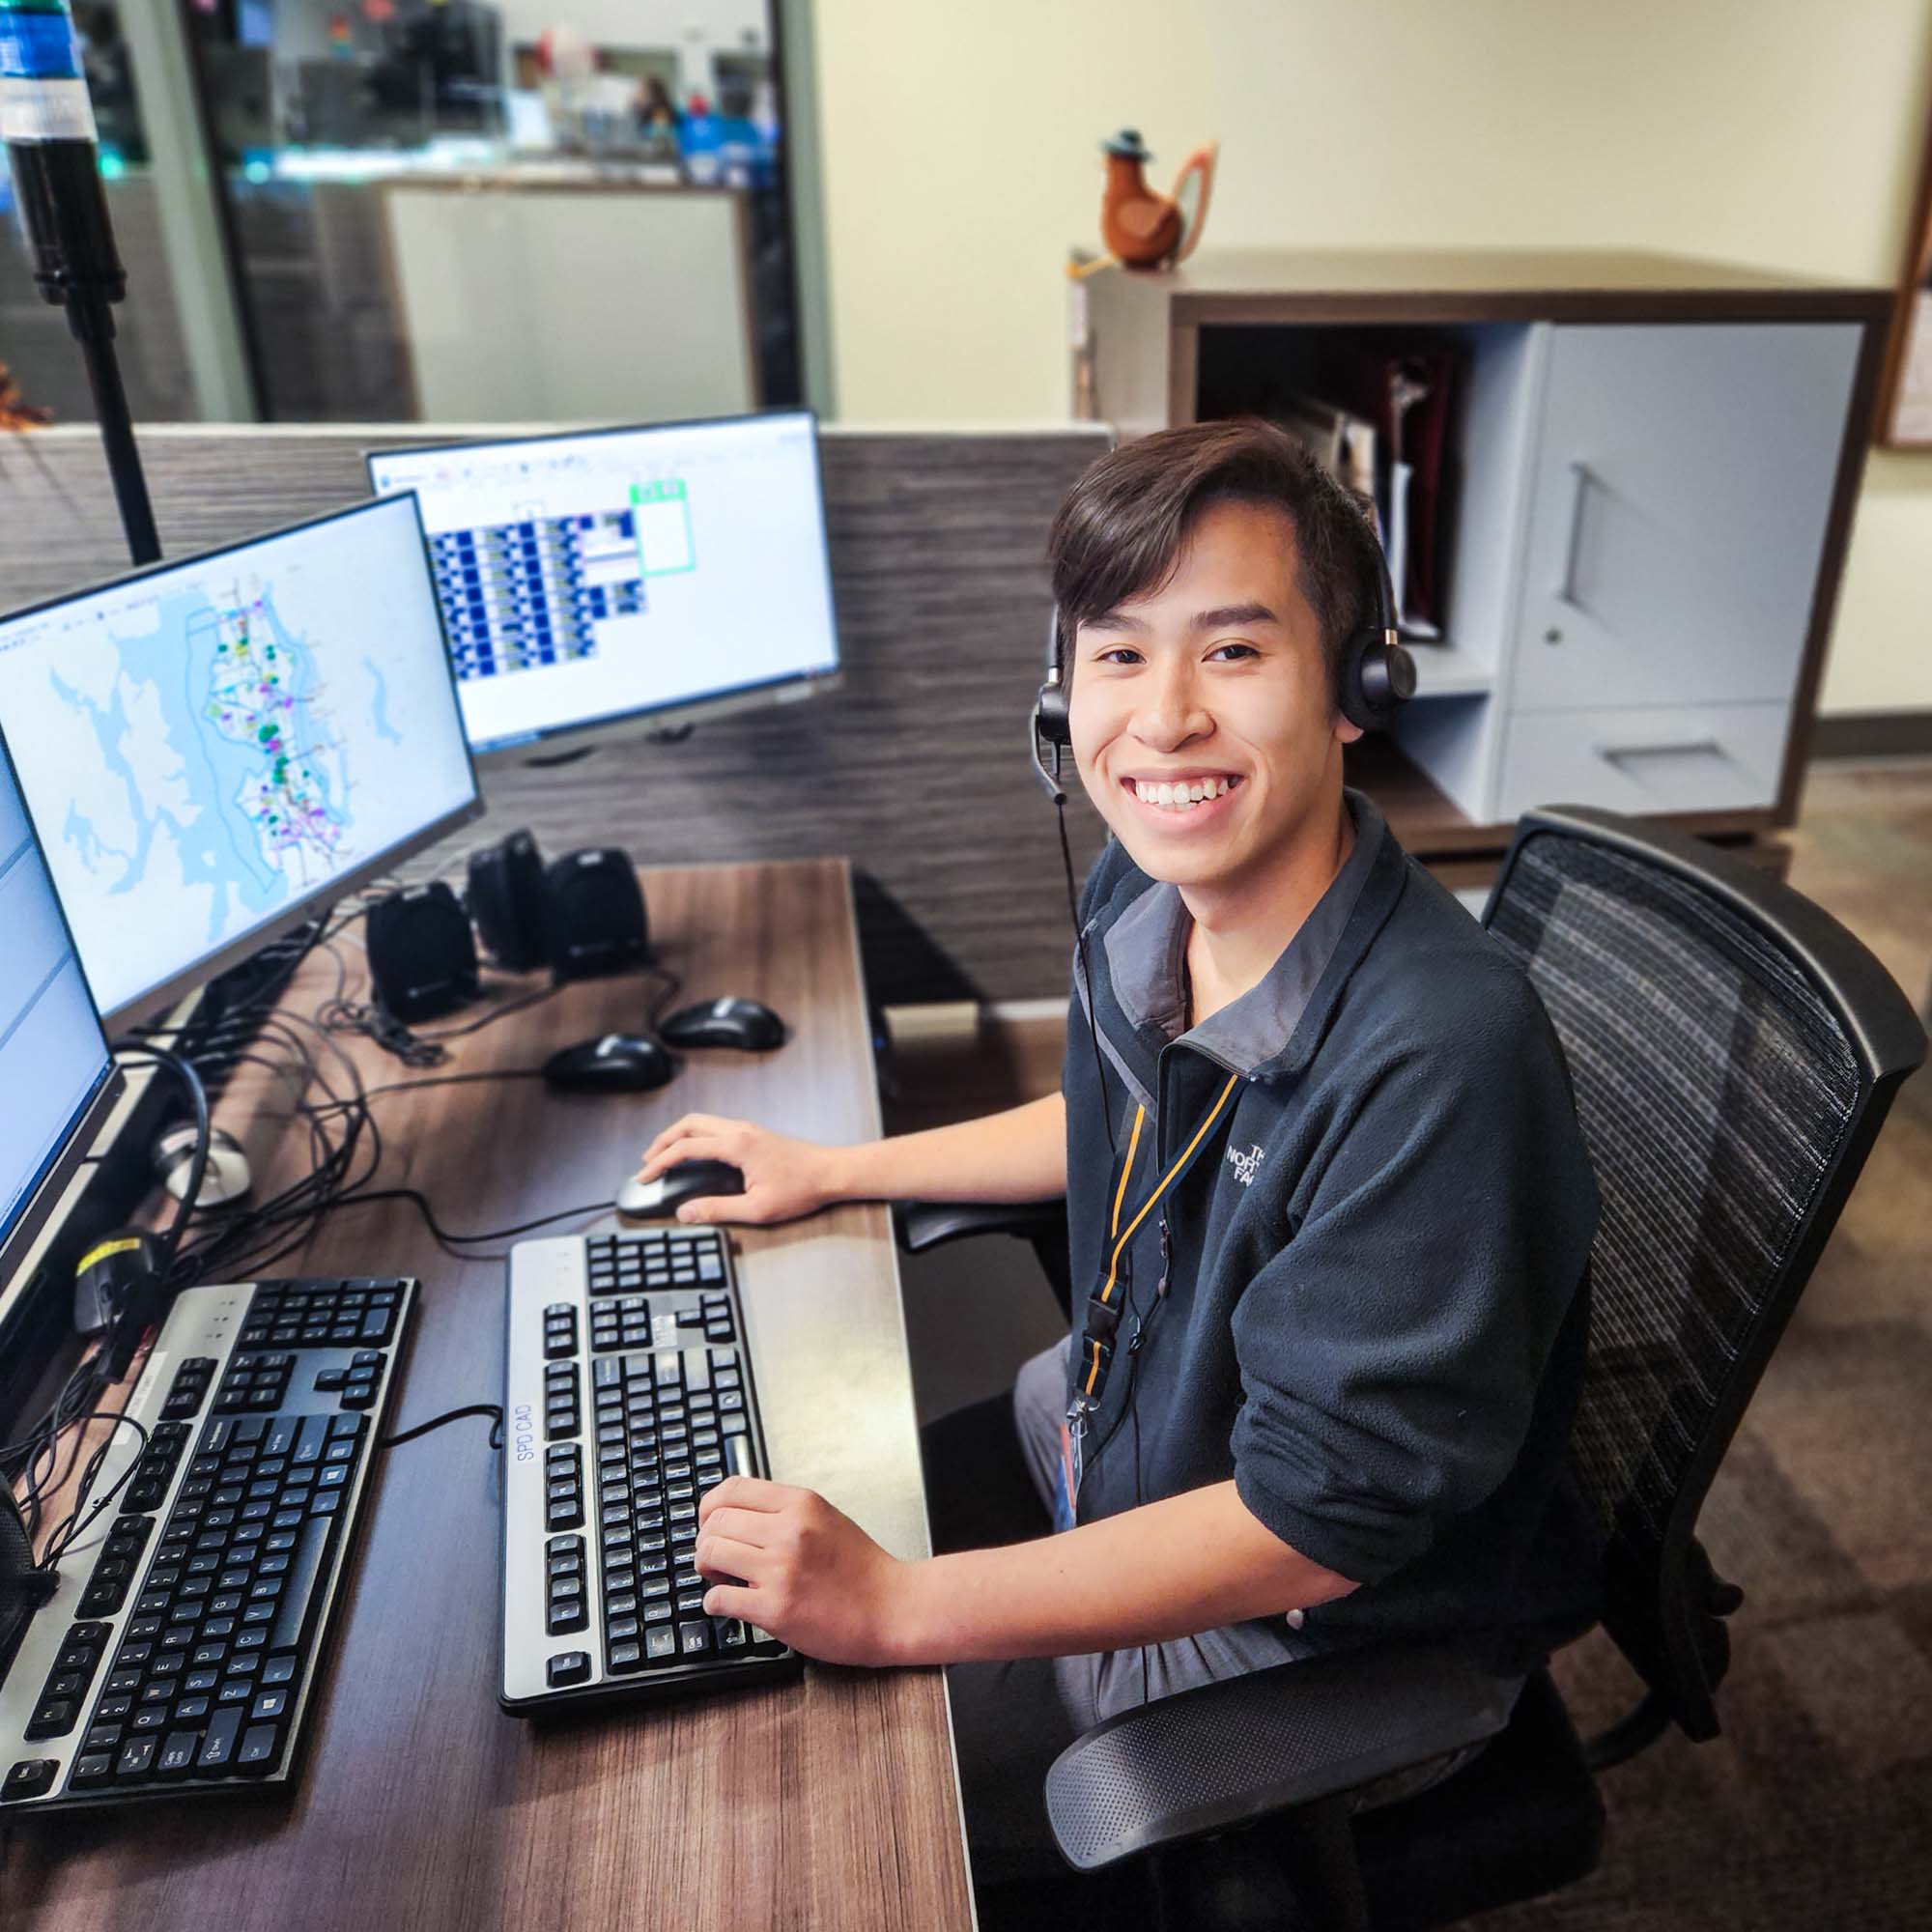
[1019,1155]
[1167,1570]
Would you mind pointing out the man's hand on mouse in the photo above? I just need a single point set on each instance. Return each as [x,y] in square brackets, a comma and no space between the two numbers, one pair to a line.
[783,1177]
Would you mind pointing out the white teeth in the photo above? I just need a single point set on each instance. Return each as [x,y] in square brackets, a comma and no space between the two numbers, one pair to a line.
[1183,796]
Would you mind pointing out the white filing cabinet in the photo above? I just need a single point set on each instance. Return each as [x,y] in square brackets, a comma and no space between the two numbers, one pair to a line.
[1653,463]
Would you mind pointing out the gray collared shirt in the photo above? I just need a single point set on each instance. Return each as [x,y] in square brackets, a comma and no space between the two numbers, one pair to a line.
[1147,959]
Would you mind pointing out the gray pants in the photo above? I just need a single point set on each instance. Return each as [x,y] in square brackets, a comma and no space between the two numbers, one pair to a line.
[992,1474]
[1110,1681]
[1012,1719]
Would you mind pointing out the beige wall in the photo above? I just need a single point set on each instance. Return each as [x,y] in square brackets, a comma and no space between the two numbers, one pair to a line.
[960,161]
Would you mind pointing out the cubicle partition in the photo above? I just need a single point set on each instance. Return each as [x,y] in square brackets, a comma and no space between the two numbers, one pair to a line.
[916,769]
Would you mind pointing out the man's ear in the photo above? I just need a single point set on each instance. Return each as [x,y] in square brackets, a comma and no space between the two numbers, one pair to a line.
[1347,731]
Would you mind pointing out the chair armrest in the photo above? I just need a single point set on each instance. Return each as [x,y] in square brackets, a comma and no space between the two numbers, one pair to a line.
[1228,1752]
[921,1224]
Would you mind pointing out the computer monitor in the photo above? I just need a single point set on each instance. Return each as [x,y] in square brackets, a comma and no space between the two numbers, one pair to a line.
[626,576]
[214,750]
[57,1079]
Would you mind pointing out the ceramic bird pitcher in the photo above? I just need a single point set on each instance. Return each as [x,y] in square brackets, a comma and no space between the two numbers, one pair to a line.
[1143,229]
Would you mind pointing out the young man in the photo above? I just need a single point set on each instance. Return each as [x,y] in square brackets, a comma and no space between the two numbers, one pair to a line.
[1350,1326]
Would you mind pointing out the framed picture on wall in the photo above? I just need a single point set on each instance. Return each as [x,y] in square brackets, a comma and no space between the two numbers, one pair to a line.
[1905,391]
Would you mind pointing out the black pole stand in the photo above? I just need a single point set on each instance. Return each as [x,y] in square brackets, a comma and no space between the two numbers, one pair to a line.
[92,322]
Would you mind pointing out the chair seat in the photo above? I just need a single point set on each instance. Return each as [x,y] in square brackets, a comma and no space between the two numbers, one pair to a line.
[1524,1818]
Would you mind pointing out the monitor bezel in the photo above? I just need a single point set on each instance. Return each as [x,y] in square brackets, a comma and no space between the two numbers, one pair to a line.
[164,994]
[44,1192]
[643,720]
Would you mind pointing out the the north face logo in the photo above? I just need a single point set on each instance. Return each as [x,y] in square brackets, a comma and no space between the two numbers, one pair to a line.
[1246,1164]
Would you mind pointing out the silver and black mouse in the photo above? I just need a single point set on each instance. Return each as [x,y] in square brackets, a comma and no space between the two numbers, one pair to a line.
[688,1180]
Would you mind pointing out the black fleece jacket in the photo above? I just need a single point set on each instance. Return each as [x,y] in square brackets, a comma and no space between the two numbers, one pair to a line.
[1376,1269]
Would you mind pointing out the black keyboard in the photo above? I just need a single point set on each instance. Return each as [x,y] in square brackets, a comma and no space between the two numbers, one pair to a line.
[628,1395]
[180,1650]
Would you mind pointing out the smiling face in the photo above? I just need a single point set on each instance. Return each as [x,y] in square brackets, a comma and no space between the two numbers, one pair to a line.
[1202,717]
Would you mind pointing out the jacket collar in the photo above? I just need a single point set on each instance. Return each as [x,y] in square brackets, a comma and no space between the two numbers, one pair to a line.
[1273,1028]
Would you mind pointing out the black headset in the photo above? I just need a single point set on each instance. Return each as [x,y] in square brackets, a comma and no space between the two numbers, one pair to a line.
[1377,680]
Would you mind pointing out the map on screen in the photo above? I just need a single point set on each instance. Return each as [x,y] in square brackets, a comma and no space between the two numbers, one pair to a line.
[207,746]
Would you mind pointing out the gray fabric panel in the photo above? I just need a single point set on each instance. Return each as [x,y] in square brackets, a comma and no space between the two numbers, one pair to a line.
[916,769]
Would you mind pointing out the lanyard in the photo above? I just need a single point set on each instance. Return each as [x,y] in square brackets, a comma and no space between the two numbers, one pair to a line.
[1103,1314]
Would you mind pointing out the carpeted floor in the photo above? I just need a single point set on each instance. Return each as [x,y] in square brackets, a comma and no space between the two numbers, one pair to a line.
[1814,1808]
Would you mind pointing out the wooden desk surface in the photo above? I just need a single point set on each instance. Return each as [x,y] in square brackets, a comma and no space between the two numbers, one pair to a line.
[829,1802]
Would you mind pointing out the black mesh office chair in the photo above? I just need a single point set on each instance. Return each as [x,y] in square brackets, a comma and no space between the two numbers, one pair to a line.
[1734,1052]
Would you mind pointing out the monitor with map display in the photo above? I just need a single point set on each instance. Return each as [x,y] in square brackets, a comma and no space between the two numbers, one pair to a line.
[214,750]
[626,577]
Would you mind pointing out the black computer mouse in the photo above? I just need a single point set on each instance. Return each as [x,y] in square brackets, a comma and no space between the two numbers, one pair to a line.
[648,1200]
[726,1022]
[619,1062]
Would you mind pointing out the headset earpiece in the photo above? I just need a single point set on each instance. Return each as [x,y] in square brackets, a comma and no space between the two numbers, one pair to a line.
[1050,727]
[1378,673]
[1050,713]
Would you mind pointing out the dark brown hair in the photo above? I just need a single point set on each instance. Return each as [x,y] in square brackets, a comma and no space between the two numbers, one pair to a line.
[1120,530]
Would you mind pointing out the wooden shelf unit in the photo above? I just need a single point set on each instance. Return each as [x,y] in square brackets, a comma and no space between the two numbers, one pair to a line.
[1655,463]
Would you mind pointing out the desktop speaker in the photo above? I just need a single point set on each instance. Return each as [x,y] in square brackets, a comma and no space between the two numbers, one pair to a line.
[506,900]
[593,914]
[422,956]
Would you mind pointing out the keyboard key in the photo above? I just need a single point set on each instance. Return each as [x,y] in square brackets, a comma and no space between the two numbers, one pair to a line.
[302,1593]
[568,1666]
[217,1743]
[177,1754]
[137,1757]
[31,1777]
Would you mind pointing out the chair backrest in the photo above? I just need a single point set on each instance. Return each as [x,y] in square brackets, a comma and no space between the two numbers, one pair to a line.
[1734,1051]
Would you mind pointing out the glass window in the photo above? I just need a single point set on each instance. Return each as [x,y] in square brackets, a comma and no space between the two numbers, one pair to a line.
[535,210]
[34,339]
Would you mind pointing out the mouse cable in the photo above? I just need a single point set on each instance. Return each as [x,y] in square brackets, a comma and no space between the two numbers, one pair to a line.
[374,1022]
[489,1408]
[669,985]
[63,1535]
[71,1527]
[535,997]
[452,1242]
[433,1080]
[33,1459]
